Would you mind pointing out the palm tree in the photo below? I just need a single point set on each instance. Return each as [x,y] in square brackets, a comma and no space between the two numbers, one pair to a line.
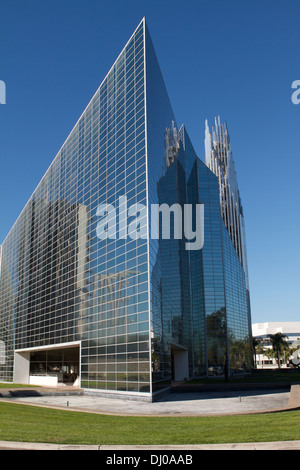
[278,343]
[257,348]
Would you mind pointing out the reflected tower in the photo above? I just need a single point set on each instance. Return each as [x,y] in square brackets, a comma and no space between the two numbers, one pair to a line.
[219,159]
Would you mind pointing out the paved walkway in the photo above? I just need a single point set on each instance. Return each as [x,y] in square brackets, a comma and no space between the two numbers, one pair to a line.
[173,404]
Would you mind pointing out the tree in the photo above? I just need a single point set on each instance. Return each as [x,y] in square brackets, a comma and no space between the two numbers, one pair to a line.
[258,347]
[279,344]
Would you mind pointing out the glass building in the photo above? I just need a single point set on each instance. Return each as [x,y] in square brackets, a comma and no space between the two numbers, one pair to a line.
[87,295]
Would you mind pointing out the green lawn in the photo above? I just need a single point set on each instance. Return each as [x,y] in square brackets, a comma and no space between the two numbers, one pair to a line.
[271,376]
[35,424]
[13,385]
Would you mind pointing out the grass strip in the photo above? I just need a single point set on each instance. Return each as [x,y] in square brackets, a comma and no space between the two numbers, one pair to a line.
[29,423]
[13,385]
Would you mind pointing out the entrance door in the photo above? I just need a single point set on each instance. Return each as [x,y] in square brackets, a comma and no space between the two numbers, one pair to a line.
[180,363]
[63,363]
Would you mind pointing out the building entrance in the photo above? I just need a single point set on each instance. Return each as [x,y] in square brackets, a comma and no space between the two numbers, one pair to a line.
[179,361]
[48,365]
[61,363]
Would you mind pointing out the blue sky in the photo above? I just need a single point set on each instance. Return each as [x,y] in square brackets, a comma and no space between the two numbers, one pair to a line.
[233,58]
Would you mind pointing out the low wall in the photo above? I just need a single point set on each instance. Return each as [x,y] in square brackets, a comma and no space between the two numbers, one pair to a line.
[49,380]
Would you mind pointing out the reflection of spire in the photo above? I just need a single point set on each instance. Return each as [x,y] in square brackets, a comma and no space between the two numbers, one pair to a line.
[171,144]
[207,144]
[218,158]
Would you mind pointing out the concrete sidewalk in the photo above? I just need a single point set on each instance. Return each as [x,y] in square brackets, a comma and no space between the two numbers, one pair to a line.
[173,404]
[284,445]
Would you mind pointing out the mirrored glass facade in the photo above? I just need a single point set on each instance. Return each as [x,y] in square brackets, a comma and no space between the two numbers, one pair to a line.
[133,303]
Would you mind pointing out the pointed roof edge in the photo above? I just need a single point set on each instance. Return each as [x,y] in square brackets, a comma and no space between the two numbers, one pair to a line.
[142,22]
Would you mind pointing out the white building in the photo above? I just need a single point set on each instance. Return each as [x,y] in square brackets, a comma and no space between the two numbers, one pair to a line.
[290,329]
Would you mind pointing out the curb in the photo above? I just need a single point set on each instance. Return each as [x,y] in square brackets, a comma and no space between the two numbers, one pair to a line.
[277,445]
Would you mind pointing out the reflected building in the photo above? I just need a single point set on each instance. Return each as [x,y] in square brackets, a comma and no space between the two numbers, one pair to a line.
[204,298]
[120,314]
[219,159]
[51,270]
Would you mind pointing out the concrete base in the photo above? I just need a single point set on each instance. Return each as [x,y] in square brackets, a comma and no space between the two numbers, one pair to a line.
[148,398]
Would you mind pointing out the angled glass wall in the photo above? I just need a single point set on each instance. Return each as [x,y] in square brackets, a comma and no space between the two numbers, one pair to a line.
[60,282]
[159,117]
